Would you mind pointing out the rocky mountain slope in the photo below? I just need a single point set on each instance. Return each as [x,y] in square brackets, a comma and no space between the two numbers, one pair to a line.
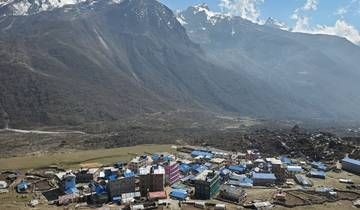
[30,7]
[104,60]
[319,71]
[107,60]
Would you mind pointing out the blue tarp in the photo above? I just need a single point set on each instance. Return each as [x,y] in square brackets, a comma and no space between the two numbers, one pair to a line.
[70,184]
[184,168]
[178,194]
[23,185]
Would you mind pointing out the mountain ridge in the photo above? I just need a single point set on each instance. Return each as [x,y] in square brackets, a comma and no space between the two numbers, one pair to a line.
[106,61]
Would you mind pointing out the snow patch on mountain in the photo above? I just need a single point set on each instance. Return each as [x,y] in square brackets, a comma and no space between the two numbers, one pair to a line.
[271,22]
[212,17]
[21,8]
[180,18]
[30,7]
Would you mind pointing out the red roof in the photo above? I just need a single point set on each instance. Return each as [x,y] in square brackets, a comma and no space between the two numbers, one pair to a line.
[157,195]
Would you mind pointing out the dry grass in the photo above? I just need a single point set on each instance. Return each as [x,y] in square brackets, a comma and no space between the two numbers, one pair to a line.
[74,159]
[341,205]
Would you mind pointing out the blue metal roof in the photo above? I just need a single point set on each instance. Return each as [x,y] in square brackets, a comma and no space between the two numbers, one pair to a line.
[184,168]
[295,169]
[350,160]
[129,174]
[224,172]
[246,180]
[236,168]
[155,157]
[285,160]
[96,187]
[319,165]
[208,165]
[198,168]
[179,194]
[242,182]
[167,158]
[119,165]
[116,199]
[204,154]
[112,177]
[263,176]
[317,173]
[184,179]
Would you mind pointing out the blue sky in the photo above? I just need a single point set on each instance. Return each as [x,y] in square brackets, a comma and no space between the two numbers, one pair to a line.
[336,17]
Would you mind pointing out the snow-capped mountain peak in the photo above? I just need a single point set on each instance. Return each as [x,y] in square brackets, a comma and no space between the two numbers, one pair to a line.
[29,7]
[212,17]
[271,22]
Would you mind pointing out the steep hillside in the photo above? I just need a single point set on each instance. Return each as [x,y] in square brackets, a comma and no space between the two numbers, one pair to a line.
[106,60]
[319,71]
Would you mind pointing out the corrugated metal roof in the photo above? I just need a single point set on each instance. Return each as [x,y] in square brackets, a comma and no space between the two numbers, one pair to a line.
[263,176]
[319,165]
[129,174]
[294,169]
[160,194]
[285,160]
[178,194]
[317,173]
[184,168]
[236,168]
[350,160]
[204,154]
[303,180]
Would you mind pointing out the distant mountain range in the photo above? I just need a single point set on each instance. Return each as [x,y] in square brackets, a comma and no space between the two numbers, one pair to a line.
[72,62]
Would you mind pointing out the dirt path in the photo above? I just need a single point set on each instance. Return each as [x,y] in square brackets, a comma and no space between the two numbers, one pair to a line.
[40,132]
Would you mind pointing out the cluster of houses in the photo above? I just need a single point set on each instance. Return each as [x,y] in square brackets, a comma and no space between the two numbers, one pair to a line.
[160,179]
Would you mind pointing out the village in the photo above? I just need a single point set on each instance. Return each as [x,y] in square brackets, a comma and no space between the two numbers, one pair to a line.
[188,178]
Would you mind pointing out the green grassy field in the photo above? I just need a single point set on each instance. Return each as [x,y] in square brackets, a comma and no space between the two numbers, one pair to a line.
[73,159]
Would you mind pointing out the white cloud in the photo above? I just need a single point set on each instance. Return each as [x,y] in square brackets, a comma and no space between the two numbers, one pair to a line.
[341,28]
[341,11]
[247,9]
[302,24]
[310,5]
